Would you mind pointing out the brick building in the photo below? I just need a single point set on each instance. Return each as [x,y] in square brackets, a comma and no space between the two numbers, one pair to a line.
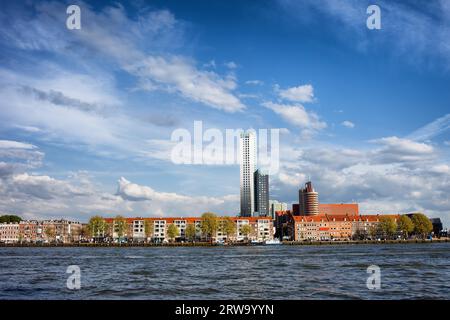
[9,232]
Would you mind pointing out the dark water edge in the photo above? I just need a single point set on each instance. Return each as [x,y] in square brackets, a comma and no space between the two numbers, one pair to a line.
[208,244]
[408,271]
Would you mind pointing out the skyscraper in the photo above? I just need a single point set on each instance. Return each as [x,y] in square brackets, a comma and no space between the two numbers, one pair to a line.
[261,194]
[247,158]
[275,206]
[308,200]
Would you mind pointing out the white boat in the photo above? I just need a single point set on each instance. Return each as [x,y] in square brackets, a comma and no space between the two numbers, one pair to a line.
[272,242]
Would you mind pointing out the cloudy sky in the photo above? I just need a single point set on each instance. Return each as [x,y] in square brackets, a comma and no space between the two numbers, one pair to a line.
[86,116]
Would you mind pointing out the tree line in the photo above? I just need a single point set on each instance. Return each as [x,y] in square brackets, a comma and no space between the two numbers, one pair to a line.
[405,227]
[10,219]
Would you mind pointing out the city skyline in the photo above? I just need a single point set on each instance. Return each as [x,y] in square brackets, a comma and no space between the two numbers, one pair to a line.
[83,127]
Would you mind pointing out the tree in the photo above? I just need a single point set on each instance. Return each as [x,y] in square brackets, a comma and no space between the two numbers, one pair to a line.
[148,228]
[10,219]
[405,225]
[387,226]
[209,224]
[50,233]
[97,227]
[246,230]
[120,226]
[373,231]
[229,227]
[173,231]
[422,225]
[359,234]
[190,232]
[85,232]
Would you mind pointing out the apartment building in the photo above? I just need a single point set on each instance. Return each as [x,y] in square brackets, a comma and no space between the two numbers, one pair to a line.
[64,231]
[325,227]
[261,228]
[9,232]
[31,231]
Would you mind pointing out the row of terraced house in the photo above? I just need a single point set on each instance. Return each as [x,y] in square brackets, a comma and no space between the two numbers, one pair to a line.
[64,231]
[262,228]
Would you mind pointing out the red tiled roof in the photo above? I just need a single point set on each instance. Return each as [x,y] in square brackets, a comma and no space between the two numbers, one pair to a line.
[339,208]
[188,219]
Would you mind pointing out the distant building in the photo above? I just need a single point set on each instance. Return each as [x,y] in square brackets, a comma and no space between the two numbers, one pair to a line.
[247,158]
[437,226]
[261,228]
[31,231]
[9,232]
[325,227]
[295,209]
[308,200]
[339,209]
[275,206]
[261,184]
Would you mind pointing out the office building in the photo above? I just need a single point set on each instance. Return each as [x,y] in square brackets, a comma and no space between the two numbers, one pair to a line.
[261,184]
[308,200]
[275,206]
[247,158]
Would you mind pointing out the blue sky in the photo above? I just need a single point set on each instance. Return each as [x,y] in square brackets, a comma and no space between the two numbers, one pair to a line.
[86,115]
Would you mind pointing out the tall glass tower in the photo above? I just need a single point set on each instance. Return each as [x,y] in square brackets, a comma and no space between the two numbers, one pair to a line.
[247,158]
[261,194]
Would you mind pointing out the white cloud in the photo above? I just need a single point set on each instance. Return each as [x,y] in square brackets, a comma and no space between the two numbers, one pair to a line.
[254,82]
[432,129]
[9,144]
[297,115]
[402,150]
[302,94]
[348,124]
[18,156]
[180,75]
[132,45]
[231,65]
[170,203]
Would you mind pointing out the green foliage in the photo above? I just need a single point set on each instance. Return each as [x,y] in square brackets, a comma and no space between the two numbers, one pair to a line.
[405,225]
[85,231]
[49,232]
[148,228]
[190,231]
[97,227]
[120,226]
[373,231]
[422,225]
[229,227]
[10,219]
[387,226]
[246,229]
[173,231]
[210,224]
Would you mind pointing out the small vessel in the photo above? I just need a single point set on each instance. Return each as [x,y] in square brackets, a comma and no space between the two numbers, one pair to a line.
[273,242]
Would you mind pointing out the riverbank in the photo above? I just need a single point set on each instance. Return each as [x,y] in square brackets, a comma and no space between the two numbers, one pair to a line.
[207,244]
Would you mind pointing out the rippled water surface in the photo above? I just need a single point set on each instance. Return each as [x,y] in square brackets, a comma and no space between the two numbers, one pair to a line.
[413,271]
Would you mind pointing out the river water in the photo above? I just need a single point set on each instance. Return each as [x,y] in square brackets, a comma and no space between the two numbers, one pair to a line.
[411,271]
